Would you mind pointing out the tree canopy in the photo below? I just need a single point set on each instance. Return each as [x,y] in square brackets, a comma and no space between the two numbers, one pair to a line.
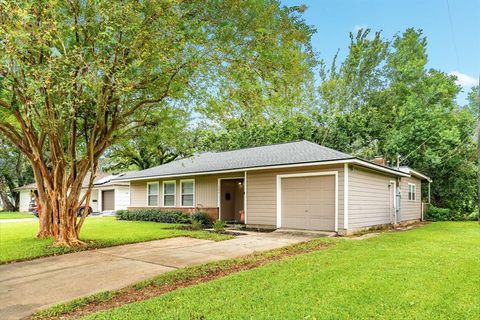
[76,76]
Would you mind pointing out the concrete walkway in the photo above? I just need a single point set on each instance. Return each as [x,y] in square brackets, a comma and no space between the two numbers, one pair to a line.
[26,287]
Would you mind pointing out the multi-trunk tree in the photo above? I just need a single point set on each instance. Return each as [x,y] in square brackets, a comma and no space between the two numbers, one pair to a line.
[77,75]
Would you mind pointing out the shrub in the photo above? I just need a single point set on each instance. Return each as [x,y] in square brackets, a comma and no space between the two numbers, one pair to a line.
[196,225]
[154,215]
[201,217]
[444,214]
[437,214]
[219,226]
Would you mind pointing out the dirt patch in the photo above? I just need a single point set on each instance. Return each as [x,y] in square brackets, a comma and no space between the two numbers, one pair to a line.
[200,274]
[370,233]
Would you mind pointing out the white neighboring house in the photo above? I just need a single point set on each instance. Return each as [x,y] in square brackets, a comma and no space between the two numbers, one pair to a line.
[107,196]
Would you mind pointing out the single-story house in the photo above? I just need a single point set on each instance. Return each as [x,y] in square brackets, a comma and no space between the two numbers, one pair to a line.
[107,195]
[295,185]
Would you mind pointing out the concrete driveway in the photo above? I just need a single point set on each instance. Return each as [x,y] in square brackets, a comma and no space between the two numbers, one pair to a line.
[26,287]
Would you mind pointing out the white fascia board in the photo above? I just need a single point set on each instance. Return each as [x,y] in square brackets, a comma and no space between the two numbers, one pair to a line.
[419,175]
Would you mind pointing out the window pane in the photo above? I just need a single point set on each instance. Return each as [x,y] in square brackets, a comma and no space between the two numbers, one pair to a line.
[169,188]
[187,200]
[187,187]
[153,200]
[153,189]
[168,200]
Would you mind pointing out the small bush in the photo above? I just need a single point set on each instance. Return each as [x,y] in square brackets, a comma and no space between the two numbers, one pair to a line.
[196,225]
[201,217]
[219,226]
[153,215]
[437,214]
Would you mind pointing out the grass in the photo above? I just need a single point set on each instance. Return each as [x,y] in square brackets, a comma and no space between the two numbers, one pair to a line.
[426,273]
[18,242]
[15,215]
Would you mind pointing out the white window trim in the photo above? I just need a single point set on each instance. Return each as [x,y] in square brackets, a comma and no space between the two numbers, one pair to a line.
[158,193]
[310,174]
[414,193]
[174,193]
[181,193]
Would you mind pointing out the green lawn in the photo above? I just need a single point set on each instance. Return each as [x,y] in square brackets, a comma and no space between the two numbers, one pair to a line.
[428,273]
[18,242]
[15,215]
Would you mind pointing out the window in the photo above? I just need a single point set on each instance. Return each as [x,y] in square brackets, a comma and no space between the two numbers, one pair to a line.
[169,193]
[412,192]
[152,193]
[188,192]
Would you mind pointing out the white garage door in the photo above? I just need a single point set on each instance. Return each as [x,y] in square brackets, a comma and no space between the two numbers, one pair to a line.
[308,203]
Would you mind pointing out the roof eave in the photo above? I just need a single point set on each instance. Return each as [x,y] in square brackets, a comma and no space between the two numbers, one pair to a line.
[420,175]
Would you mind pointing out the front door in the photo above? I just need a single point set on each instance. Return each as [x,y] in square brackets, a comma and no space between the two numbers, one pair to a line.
[231,199]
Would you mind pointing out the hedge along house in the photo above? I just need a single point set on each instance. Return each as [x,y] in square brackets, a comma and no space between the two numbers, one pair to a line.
[296,185]
[107,195]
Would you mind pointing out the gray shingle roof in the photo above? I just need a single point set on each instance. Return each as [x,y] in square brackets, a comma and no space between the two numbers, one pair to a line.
[271,155]
[100,179]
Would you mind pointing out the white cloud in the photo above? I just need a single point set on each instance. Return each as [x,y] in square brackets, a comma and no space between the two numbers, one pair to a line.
[357,28]
[464,80]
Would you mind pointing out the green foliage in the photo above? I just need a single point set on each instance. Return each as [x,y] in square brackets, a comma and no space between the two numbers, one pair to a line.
[196,225]
[218,226]
[153,215]
[438,214]
[201,217]
[445,214]
[15,171]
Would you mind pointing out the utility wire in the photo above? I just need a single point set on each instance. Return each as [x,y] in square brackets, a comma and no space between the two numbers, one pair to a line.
[453,152]
[453,35]
[420,145]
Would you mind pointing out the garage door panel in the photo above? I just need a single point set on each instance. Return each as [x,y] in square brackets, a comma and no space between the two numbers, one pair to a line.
[108,199]
[308,202]
[295,223]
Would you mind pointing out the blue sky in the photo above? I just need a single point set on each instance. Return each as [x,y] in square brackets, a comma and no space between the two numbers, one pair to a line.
[453,47]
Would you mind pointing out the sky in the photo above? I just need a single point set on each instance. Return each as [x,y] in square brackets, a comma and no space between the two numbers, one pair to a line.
[452,28]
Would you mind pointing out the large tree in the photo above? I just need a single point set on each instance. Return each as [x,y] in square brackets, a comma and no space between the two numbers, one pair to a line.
[77,75]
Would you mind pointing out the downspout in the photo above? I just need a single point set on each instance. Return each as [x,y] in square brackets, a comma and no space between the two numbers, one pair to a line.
[398,198]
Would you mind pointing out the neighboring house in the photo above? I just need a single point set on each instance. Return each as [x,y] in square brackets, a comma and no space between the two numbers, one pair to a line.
[107,195]
[296,185]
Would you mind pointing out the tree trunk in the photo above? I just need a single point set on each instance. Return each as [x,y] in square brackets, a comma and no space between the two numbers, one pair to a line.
[7,204]
[45,221]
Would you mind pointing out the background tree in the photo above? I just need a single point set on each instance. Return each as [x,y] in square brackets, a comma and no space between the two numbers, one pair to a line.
[15,171]
[166,137]
[75,76]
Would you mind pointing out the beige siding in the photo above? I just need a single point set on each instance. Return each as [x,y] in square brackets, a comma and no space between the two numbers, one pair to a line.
[262,193]
[370,200]
[410,210]
[138,193]
[206,190]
